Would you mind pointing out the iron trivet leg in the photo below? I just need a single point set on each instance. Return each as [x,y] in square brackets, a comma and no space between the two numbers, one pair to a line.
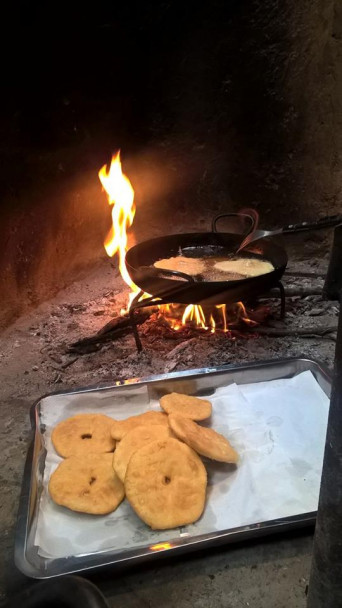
[135,330]
[136,305]
[133,308]
[280,286]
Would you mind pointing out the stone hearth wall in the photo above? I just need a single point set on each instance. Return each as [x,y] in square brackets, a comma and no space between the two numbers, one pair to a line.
[215,106]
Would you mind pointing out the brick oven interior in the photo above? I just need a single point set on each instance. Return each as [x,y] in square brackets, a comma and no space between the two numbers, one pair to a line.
[215,108]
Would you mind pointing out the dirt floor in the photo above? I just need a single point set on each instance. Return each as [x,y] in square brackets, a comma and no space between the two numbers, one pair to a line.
[35,360]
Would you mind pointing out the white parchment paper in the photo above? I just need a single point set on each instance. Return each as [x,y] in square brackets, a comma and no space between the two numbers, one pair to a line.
[277,427]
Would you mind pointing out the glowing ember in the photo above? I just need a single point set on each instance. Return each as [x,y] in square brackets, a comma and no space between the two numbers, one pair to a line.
[242,314]
[161,547]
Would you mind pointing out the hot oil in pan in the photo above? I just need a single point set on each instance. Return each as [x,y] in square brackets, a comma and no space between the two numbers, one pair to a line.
[204,267]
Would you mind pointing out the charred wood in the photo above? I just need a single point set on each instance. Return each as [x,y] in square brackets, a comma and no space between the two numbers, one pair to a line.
[313,331]
[114,329]
[306,275]
[293,291]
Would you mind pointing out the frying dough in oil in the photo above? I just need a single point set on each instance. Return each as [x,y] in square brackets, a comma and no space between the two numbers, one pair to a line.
[215,268]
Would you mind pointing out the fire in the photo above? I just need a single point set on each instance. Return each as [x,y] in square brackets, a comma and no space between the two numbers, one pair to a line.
[121,196]
[217,319]
[222,308]
[243,315]
[193,312]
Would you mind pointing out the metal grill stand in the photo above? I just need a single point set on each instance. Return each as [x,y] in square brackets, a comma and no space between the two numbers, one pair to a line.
[137,304]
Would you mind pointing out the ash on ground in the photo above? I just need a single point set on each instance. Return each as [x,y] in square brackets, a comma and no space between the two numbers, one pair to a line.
[35,358]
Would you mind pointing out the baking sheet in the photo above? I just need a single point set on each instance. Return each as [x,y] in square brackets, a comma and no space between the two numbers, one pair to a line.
[278,428]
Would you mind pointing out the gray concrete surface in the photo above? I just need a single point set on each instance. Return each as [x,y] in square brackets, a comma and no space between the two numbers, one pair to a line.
[272,572]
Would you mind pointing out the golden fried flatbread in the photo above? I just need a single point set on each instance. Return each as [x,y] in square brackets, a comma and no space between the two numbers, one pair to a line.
[132,441]
[187,406]
[83,434]
[206,442]
[166,484]
[180,263]
[121,427]
[87,484]
[249,267]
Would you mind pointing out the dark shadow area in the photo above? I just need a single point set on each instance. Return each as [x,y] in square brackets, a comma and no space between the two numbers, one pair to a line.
[214,107]
[116,581]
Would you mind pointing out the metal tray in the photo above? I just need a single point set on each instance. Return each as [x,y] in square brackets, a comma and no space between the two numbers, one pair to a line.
[203,381]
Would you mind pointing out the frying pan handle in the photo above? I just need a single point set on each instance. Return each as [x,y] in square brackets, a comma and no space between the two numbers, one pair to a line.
[324,222]
[250,214]
[161,273]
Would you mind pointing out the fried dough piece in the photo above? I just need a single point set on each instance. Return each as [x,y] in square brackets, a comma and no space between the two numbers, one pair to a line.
[132,441]
[87,484]
[249,267]
[206,442]
[192,266]
[186,405]
[166,484]
[121,427]
[83,434]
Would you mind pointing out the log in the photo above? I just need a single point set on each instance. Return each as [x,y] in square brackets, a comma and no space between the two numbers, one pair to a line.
[304,274]
[292,291]
[114,329]
[312,331]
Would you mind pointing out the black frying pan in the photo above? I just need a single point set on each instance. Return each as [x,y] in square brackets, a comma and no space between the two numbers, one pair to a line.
[178,287]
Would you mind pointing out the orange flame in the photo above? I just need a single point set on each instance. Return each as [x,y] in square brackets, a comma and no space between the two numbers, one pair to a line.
[242,314]
[222,308]
[121,195]
[195,313]
[214,320]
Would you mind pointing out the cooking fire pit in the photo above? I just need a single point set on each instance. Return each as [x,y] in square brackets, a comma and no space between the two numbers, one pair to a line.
[152,286]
